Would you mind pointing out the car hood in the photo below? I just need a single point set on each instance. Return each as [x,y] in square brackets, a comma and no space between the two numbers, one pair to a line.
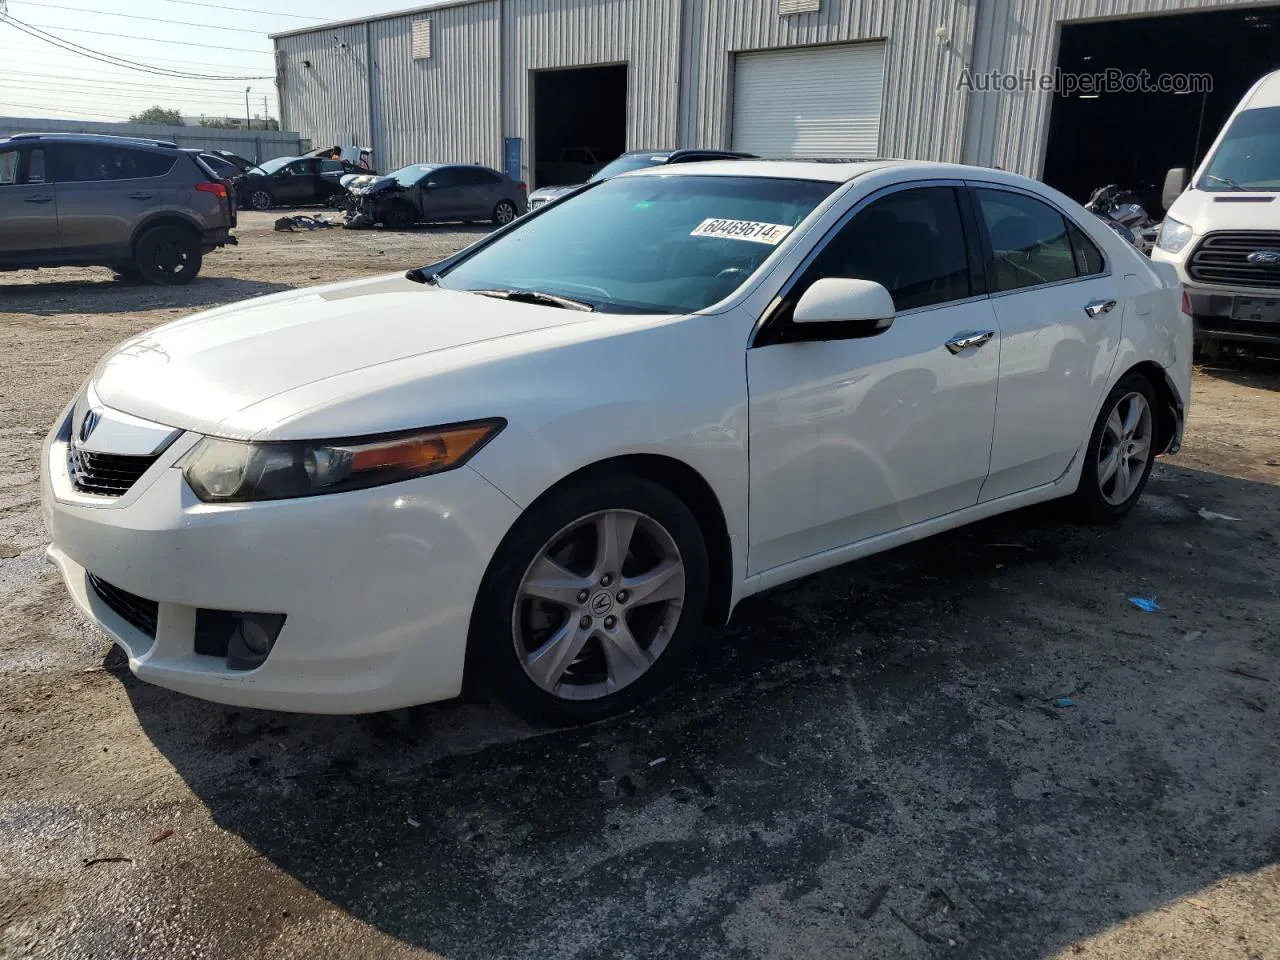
[550,193]
[205,372]
[1206,211]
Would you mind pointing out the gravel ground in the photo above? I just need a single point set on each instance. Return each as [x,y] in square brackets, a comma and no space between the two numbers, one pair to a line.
[868,763]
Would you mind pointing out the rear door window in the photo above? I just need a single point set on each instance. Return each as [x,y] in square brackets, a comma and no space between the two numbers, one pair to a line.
[87,163]
[331,166]
[1029,241]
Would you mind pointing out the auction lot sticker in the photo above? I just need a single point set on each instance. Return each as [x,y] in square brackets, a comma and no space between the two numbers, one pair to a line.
[770,233]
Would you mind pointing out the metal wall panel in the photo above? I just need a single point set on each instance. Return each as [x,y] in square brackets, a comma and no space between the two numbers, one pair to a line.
[924,109]
[446,108]
[252,145]
[644,34]
[1010,130]
[327,101]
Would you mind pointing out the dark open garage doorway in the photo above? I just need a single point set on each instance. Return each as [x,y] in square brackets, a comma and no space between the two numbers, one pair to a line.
[1133,138]
[579,122]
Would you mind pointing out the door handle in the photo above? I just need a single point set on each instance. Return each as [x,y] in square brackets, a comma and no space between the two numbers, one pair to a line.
[974,338]
[1095,308]
[141,196]
[40,198]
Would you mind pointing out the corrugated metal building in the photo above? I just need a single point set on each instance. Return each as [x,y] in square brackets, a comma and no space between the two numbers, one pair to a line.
[461,81]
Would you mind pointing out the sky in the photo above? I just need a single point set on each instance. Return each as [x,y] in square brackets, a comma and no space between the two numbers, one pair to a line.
[222,38]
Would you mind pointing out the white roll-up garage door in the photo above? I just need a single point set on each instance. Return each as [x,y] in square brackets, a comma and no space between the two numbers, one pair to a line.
[810,101]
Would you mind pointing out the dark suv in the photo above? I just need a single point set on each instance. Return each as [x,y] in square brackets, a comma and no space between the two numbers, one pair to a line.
[142,207]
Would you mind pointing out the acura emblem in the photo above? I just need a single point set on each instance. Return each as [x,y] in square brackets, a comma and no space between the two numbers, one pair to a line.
[90,422]
[1265,257]
[601,603]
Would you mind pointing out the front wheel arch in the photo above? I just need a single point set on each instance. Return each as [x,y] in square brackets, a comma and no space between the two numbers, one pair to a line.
[696,493]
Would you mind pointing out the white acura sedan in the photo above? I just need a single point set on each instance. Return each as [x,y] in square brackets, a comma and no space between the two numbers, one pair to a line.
[544,464]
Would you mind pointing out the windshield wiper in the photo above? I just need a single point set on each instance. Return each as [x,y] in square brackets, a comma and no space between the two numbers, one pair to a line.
[533,296]
[1227,180]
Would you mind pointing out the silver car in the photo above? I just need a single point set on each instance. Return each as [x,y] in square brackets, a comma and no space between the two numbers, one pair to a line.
[144,208]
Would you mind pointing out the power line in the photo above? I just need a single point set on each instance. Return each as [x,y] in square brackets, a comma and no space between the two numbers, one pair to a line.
[135,16]
[111,59]
[114,84]
[269,13]
[134,36]
[100,81]
[181,60]
[228,100]
[76,113]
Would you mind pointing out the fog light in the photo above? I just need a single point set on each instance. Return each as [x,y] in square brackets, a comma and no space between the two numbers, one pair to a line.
[244,639]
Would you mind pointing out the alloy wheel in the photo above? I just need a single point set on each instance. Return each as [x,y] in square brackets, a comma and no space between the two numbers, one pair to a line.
[505,213]
[598,605]
[1125,448]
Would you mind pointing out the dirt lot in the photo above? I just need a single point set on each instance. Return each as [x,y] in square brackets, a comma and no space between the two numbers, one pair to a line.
[867,764]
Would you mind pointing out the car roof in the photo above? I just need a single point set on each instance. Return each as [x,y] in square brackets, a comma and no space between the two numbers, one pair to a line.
[829,171]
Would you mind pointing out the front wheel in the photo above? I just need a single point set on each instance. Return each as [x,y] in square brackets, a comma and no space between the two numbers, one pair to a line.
[261,200]
[591,600]
[400,216]
[1121,452]
[168,256]
[504,213]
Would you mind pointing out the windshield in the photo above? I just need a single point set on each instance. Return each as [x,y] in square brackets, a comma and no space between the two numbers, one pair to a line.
[271,166]
[1249,156]
[662,244]
[410,175]
[628,162]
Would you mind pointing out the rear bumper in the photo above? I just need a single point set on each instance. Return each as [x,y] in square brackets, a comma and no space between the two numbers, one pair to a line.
[220,237]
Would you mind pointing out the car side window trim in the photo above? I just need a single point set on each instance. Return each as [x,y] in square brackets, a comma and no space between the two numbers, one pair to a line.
[971,187]
[768,326]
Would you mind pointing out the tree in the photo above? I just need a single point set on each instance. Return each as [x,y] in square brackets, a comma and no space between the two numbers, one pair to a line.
[217,123]
[157,114]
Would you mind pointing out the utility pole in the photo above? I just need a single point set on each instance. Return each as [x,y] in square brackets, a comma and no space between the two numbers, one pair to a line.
[247,124]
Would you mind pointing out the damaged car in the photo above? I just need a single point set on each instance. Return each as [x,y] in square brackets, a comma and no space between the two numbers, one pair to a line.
[434,193]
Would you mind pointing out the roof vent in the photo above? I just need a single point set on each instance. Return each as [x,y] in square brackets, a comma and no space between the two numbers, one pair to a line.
[788,7]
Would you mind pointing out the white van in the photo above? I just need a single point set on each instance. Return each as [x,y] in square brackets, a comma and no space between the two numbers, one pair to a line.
[1223,232]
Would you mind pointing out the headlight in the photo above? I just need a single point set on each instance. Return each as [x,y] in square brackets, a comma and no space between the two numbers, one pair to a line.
[228,471]
[1174,235]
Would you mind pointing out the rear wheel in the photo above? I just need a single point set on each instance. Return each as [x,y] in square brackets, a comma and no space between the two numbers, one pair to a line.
[168,255]
[504,212]
[1121,451]
[400,216]
[591,600]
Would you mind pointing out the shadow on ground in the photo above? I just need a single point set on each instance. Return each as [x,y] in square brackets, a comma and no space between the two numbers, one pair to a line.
[51,298]
[871,762]
[1247,370]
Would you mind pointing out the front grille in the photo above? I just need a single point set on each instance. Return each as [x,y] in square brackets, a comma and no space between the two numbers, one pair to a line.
[1222,258]
[138,611]
[107,474]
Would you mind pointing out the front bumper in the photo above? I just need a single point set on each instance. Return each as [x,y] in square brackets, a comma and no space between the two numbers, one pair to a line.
[376,585]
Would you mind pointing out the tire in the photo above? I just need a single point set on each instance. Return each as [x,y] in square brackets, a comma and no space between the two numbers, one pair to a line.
[1109,487]
[168,256]
[504,212]
[261,200]
[606,661]
[399,216]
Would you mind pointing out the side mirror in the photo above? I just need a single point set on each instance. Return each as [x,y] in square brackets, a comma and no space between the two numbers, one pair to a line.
[863,307]
[1175,181]
[430,185]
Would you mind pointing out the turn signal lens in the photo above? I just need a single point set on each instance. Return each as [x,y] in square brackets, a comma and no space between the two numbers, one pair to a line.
[228,471]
